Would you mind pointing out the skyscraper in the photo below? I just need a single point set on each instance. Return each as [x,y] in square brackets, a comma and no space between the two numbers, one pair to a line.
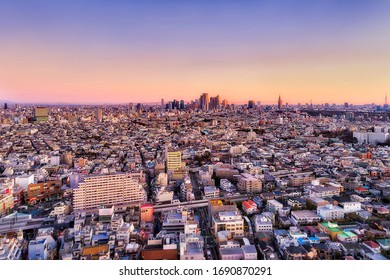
[204,101]
[218,101]
[251,104]
[99,115]
[162,103]
[280,103]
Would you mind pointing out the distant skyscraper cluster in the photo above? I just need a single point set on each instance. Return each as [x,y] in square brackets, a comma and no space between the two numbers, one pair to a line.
[207,103]
[175,104]
[204,103]
[211,103]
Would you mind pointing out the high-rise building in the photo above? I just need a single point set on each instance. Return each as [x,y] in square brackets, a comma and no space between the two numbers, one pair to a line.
[280,102]
[5,106]
[131,107]
[174,160]
[218,101]
[182,105]
[99,115]
[251,104]
[107,190]
[204,101]
[41,114]
[162,103]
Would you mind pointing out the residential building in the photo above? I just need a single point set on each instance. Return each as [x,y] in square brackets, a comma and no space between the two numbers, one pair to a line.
[262,224]
[174,160]
[43,191]
[305,217]
[330,212]
[228,220]
[247,183]
[274,206]
[191,246]
[210,192]
[107,190]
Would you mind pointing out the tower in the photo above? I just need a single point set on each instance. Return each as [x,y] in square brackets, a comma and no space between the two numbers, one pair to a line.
[99,115]
[280,103]
[204,101]
[386,105]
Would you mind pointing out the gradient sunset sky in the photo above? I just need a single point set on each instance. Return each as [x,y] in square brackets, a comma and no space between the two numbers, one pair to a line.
[118,51]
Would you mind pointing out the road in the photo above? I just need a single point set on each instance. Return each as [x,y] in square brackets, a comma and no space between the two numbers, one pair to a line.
[204,221]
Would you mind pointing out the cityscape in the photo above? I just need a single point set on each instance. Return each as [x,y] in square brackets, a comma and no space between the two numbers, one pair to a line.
[194,130]
[203,180]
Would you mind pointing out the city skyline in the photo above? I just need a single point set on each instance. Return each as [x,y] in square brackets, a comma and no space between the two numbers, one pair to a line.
[94,52]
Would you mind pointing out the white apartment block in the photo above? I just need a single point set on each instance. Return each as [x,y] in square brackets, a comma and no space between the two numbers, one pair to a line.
[274,205]
[304,217]
[107,190]
[262,224]
[321,191]
[350,207]
[330,212]
[191,246]
[24,180]
[227,186]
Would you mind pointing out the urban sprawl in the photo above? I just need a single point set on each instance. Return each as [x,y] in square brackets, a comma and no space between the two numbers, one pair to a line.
[199,180]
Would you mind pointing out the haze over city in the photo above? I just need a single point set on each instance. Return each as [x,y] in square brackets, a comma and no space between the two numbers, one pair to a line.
[121,51]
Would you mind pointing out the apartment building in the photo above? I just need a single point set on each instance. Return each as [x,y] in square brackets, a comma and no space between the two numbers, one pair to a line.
[274,205]
[107,190]
[174,160]
[247,183]
[228,220]
[50,190]
[300,180]
[330,212]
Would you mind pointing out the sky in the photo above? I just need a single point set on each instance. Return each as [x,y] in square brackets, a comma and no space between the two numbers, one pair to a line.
[120,51]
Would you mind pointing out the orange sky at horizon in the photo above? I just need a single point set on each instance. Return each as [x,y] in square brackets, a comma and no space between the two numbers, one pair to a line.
[333,60]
